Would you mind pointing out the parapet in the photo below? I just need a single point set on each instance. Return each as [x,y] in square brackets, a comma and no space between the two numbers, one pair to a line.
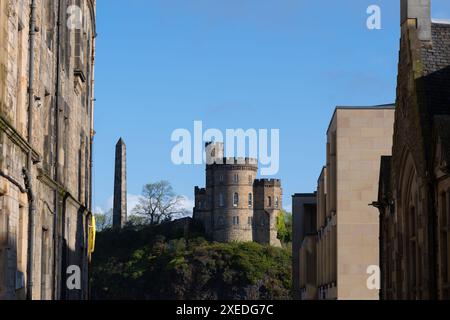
[235,161]
[200,191]
[268,183]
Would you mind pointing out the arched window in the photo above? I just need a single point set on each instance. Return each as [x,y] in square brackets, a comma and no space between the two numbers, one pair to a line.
[410,210]
[236,178]
[236,199]
[277,203]
[250,200]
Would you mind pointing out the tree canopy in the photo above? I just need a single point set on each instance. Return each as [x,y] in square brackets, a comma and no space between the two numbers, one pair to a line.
[159,203]
[156,262]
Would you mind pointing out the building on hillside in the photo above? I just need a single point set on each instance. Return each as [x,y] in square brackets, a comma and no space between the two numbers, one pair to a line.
[304,207]
[235,206]
[414,193]
[346,242]
[46,137]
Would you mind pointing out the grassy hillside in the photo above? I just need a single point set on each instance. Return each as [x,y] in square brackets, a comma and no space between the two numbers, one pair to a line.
[160,263]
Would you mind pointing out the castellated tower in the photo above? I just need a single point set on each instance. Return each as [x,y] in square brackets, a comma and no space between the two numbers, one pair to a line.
[268,206]
[235,206]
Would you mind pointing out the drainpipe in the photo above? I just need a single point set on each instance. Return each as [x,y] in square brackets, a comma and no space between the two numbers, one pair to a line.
[56,227]
[92,133]
[28,171]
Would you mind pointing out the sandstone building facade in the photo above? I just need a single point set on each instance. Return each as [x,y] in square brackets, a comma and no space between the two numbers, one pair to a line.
[235,206]
[414,193]
[334,260]
[46,137]
[304,221]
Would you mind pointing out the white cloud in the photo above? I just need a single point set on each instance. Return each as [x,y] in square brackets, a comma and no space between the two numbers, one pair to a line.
[99,209]
[288,208]
[187,204]
[132,201]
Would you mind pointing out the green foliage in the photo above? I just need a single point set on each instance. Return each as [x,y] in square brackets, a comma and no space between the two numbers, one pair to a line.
[284,227]
[156,263]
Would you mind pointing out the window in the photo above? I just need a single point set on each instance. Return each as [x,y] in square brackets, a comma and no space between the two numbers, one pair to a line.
[221,200]
[235,221]
[21,78]
[276,202]
[261,221]
[250,179]
[414,254]
[79,57]
[270,201]
[444,241]
[236,178]
[221,221]
[250,221]
[50,22]
[44,263]
[236,199]
[250,200]
[221,178]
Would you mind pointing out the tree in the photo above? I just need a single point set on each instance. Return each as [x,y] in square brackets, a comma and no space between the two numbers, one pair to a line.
[284,226]
[103,220]
[159,203]
[136,221]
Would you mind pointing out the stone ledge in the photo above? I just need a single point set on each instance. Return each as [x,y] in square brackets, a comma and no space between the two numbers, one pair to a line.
[17,139]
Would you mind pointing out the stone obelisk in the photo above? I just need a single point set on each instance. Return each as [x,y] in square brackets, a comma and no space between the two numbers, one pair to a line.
[120,186]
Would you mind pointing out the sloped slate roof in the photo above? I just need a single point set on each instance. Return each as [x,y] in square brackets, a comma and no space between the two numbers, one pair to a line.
[436,62]
[442,127]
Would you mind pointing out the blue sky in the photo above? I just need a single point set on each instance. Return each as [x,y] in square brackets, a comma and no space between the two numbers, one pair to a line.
[283,64]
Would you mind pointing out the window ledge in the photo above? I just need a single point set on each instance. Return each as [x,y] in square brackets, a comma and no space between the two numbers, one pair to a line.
[80,74]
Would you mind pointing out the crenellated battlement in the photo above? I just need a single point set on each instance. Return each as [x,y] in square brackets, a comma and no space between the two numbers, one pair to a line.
[234,206]
[268,183]
[235,161]
[200,191]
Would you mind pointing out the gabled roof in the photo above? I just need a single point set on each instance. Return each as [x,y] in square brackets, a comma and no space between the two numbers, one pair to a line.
[436,63]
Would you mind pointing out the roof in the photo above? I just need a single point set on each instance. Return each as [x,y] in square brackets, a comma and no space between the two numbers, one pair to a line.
[381,106]
[305,195]
[436,63]
[389,106]
[442,127]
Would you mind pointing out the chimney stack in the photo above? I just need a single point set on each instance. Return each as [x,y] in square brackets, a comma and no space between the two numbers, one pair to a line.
[417,13]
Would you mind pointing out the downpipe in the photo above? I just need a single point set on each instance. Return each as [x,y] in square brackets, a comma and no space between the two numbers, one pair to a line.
[56,223]
[27,172]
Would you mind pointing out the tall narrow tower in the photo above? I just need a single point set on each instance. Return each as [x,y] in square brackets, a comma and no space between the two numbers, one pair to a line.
[120,186]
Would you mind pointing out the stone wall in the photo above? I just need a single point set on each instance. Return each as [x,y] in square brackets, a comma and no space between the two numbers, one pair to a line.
[60,146]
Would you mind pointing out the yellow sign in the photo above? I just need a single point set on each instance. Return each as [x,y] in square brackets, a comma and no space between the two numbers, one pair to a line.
[91,235]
